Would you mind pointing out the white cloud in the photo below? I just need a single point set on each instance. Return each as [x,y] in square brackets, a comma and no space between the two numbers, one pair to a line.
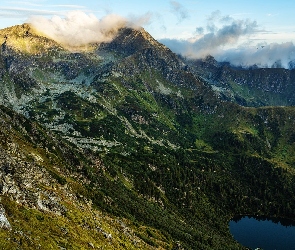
[224,34]
[179,10]
[79,28]
[139,21]
[262,55]
[216,37]
[25,12]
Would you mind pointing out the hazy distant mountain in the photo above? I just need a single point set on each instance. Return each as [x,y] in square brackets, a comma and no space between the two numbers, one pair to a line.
[124,145]
[251,86]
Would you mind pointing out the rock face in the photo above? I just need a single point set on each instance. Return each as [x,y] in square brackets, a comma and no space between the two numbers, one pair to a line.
[4,223]
[124,145]
[21,168]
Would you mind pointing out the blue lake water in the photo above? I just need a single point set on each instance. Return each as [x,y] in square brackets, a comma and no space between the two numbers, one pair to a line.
[260,232]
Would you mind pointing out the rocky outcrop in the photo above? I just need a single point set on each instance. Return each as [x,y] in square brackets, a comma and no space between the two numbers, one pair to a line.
[21,180]
[4,223]
[129,41]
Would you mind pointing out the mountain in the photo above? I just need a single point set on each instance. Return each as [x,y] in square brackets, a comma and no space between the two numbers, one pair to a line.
[248,87]
[124,145]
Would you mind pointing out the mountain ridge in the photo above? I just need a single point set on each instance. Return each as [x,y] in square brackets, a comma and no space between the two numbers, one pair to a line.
[139,138]
[248,87]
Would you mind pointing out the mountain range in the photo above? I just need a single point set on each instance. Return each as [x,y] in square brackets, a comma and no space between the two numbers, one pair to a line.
[252,87]
[126,145]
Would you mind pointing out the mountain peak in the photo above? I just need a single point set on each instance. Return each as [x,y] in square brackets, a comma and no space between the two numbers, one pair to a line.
[24,38]
[129,40]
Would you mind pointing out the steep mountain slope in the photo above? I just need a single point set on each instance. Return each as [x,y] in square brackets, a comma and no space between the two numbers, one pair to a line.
[129,126]
[42,187]
[97,83]
[248,87]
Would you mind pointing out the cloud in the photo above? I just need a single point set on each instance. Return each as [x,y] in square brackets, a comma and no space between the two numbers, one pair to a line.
[179,10]
[23,3]
[70,6]
[24,9]
[24,12]
[139,21]
[178,46]
[79,28]
[221,39]
[272,15]
[216,38]
[215,15]
[264,55]
[200,30]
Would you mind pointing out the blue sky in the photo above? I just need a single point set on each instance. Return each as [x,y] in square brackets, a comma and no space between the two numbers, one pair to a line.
[252,22]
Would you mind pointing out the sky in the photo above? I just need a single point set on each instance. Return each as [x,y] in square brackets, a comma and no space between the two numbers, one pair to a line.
[243,32]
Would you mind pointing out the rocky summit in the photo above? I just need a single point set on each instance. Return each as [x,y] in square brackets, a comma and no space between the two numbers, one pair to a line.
[125,145]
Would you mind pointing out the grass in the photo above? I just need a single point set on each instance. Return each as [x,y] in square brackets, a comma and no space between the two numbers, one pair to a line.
[80,228]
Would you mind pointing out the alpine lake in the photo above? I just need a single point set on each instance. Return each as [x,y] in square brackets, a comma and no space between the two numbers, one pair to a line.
[263,233]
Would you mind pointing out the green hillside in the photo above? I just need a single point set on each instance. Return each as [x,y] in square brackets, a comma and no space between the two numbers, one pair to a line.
[124,147]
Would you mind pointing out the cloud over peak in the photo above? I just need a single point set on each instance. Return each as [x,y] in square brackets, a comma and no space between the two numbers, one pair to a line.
[78,28]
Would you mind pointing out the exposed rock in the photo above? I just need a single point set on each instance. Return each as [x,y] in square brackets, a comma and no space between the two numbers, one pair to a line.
[4,223]
[91,245]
